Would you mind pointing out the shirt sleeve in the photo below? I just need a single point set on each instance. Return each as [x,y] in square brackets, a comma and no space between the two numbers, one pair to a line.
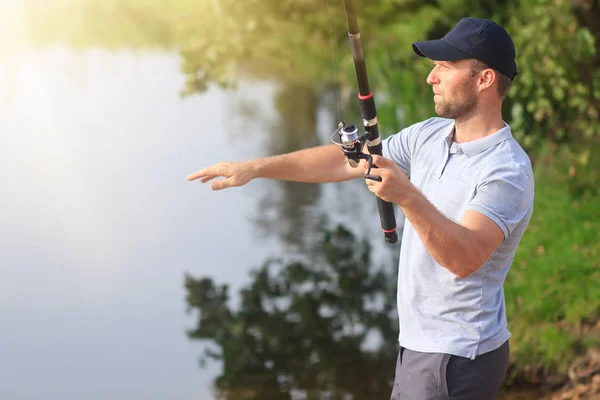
[505,196]
[399,148]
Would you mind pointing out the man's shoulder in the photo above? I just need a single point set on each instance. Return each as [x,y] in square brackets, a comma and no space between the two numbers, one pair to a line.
[510,164]
[511,154]
[432,125]
[426,130]
[517,153]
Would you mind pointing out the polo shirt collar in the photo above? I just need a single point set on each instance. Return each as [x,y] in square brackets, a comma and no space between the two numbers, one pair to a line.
[480,145]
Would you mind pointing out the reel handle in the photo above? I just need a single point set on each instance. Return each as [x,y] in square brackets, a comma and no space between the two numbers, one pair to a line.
[373,177]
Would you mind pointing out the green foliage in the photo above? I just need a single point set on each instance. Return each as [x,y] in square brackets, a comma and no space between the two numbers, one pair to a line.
[556,95]
[552,288]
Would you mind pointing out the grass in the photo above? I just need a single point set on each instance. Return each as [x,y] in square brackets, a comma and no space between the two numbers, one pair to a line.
[553,288]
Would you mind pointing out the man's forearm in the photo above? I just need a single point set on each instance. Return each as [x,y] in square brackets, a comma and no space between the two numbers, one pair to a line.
[317,164]
[448,242]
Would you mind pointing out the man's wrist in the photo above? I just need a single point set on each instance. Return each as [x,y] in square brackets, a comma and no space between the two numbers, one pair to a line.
[410,197]
[255,167]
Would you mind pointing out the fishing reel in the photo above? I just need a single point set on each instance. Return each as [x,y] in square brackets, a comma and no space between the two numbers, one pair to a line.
[352,146]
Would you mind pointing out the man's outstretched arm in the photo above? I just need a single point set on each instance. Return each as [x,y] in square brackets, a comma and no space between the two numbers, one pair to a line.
[315,165]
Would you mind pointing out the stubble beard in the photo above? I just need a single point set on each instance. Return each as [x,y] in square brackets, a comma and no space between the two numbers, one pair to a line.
[462,107]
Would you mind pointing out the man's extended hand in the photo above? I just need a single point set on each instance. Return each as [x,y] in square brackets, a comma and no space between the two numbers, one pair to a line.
[236,174]
[395,186]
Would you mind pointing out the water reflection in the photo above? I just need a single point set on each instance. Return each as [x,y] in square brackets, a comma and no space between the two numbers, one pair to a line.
[320,325]
[99,225]
[286,212]
[317,320]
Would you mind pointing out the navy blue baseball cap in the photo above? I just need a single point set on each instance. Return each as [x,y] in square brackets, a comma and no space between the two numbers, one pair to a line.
[478,38]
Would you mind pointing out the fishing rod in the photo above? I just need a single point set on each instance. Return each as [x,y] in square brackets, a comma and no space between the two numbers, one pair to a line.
[352,143]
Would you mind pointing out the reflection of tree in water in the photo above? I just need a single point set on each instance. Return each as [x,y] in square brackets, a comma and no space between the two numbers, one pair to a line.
[288,213]
[321,324]
[286,209]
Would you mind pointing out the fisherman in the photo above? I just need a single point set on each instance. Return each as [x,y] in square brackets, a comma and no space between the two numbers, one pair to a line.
[466,189]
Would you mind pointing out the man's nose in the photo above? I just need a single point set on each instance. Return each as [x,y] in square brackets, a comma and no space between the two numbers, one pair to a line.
[432,78]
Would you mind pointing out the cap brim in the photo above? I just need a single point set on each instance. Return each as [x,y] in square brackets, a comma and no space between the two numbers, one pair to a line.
[439,50]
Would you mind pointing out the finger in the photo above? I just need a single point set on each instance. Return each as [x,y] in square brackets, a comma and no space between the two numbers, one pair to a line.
[372,189]
[194,176]
[380,161]
[219,184]
[224,184]
[377,171]
[209,172]
[203,173]
[371,182]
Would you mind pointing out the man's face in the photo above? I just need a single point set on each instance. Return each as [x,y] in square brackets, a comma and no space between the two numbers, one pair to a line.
[454,88]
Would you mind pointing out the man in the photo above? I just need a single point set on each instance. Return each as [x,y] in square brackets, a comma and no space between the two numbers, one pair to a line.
[466,189]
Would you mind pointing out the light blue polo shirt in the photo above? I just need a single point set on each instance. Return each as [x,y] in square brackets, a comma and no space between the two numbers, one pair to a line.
[439,312]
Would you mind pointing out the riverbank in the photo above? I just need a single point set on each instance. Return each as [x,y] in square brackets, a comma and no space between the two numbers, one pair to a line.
[583,383]
[580,391]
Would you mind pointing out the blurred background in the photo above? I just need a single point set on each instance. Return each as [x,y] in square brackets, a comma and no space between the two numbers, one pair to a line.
[121,280]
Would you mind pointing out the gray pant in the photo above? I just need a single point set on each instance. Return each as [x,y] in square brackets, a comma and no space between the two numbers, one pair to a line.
[436,376]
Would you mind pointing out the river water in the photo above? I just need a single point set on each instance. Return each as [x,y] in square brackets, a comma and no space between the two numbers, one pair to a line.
[99,225]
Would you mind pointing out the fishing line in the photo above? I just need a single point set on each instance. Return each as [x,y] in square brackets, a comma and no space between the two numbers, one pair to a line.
[335,78]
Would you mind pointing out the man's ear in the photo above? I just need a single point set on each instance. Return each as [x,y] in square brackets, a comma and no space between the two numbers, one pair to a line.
[487,78]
